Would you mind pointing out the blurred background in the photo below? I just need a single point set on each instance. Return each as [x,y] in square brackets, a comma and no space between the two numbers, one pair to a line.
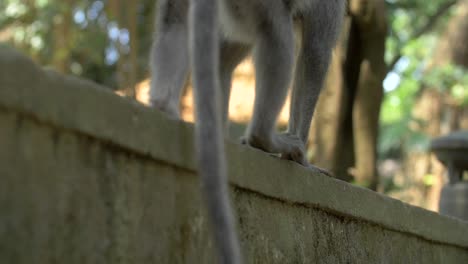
[397,80]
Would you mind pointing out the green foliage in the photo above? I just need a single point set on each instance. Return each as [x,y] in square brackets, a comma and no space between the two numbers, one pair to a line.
[34,23]
[400,136]
[406,17]
[89,48]
[398,126]
[449,79]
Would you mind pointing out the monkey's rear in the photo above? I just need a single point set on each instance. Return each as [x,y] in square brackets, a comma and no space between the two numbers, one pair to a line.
[218,35]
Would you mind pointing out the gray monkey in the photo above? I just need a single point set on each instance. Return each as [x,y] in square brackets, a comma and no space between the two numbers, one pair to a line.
[210,38]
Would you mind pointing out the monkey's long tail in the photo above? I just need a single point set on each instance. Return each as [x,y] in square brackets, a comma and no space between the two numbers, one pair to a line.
[204,45]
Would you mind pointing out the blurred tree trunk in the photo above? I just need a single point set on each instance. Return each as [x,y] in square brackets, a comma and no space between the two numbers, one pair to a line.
[132,25]
[61,36]
[126,15]
[372,24]
[346,125]
[452,46]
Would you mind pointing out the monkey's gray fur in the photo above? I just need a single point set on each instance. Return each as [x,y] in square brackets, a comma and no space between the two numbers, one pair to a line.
[211,37]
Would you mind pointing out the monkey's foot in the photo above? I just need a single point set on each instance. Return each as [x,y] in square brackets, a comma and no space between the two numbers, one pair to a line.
[320,170]
[243,140]
[172,112]
[296,153]
[286,145]
[293,148]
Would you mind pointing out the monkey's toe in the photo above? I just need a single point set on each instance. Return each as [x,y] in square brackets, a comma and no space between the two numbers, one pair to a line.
[320,170]
[170,111]
[286,145]
[243,140]
[293,148]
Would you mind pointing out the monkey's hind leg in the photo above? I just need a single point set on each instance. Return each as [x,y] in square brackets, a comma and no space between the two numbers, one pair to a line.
[319,32]
[169,57]
[231,54]
[274,58]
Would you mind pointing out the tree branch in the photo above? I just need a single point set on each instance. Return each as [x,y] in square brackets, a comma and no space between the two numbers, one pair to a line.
[432,20]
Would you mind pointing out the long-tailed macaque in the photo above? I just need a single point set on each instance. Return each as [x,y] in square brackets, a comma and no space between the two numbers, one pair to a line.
[210,38]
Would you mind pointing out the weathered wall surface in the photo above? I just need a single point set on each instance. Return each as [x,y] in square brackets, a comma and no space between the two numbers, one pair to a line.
[88,177]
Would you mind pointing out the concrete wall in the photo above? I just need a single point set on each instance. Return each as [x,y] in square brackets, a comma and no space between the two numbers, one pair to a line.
[89,177]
